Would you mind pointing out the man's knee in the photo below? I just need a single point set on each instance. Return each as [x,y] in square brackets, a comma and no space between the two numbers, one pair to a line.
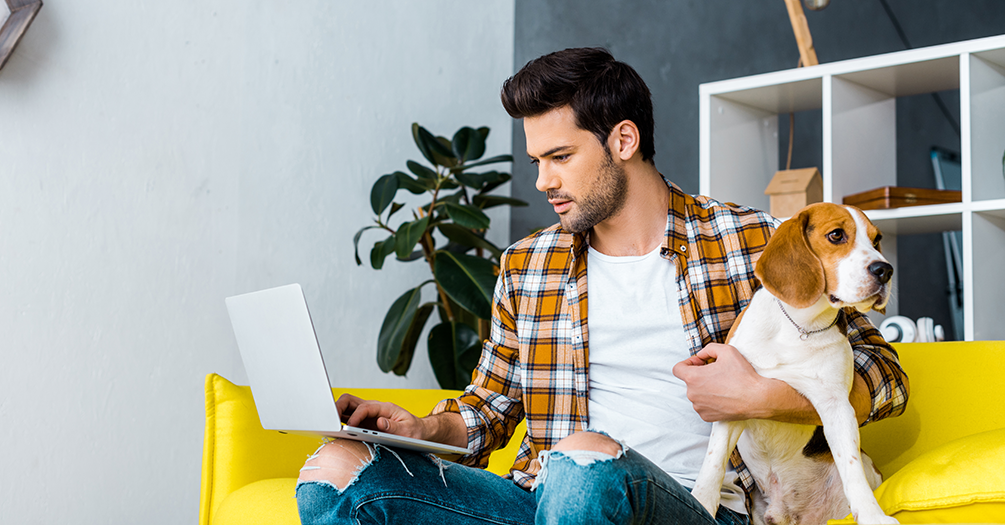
[337,462]
[589,441]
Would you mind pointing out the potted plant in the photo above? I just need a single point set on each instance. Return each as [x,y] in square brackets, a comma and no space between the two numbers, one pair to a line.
[464,267]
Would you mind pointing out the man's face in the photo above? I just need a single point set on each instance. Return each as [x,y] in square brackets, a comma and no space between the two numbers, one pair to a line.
[577,173]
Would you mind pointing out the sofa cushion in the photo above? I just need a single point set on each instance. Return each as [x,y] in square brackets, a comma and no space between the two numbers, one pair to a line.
[265,502]
[960,482]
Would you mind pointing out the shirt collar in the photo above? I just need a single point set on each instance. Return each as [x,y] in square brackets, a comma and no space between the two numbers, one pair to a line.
[675,240]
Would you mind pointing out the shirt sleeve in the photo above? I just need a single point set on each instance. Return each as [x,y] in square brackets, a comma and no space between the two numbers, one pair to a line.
[877,362]
[492,405]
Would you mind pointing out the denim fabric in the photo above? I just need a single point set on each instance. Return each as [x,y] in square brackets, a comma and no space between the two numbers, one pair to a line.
[577,487]
[585,488]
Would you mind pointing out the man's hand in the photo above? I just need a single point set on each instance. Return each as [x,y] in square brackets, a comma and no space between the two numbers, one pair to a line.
[445,428]
[723,386]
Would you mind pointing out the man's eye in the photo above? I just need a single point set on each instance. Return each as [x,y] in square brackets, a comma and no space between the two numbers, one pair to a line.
[837,236]
[561,158]
[535,162]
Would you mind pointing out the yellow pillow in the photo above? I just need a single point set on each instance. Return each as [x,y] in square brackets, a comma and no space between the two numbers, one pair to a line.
[962,481]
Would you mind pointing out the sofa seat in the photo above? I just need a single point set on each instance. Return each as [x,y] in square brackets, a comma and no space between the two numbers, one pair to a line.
[944,458]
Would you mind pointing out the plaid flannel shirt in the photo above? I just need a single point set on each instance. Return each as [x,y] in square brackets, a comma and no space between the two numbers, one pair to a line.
[535,363]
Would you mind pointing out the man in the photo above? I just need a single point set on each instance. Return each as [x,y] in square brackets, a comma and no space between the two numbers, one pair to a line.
[617,398]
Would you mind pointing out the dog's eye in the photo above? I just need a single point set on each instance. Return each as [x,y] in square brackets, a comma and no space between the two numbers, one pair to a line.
[875,242]
[836,236]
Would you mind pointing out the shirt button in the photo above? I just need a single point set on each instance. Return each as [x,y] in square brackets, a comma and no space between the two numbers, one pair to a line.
[683,248]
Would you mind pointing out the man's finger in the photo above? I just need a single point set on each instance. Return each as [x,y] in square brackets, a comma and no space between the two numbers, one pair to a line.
[346,403]
[365,411]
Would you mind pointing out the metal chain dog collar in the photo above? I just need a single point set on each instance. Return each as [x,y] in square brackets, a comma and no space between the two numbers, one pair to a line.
[805,334]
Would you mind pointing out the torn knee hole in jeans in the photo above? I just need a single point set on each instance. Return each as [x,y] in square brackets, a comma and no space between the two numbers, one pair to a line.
[582,458]
[364,462]
[334,475]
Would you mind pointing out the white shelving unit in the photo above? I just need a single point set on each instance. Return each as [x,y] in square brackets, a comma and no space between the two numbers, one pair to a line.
[739,150]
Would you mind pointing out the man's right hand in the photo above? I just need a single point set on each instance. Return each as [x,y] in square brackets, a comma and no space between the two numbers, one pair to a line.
[447,428]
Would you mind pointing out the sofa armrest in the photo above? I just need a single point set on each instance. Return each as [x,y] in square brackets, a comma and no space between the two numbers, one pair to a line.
[237,451]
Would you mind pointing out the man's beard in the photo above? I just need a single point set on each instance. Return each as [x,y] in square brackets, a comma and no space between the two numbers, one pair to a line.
[605,199]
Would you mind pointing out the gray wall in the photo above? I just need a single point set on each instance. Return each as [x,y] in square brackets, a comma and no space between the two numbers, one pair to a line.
[156,157]
[677,45]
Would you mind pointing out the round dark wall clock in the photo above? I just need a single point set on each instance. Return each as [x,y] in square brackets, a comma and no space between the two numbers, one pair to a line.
[16,16]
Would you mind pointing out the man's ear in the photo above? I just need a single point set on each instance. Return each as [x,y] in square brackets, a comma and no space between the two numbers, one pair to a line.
[624,139]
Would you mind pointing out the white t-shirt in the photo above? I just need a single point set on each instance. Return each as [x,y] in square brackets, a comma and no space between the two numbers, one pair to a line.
[636,337]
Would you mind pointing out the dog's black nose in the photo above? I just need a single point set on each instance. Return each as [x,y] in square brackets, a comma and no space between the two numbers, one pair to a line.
[883,271]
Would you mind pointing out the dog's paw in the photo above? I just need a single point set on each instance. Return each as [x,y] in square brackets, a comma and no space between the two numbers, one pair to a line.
[708,498]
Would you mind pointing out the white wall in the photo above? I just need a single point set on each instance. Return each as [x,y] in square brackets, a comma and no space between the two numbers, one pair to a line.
[156,157]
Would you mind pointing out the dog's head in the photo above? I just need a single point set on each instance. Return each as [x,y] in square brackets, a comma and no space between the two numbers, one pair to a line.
[827,249]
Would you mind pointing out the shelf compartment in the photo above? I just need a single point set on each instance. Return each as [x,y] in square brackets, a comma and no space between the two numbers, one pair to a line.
[913,78]
[781,98]
[987,126]
[985,281]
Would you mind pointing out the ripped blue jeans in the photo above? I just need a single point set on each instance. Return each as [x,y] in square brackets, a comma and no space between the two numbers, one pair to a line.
[574,487]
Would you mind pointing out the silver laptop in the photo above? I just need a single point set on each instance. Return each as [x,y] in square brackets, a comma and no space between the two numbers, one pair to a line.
[287,371]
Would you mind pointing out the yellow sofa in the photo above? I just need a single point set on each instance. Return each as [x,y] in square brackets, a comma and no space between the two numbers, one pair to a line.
[944,459]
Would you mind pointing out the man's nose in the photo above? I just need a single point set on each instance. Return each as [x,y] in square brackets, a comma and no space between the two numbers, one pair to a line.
[546,179]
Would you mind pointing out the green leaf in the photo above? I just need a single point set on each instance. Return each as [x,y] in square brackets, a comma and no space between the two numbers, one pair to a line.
[466,237]
[451,347]
[467,144]
[490,160]
[484,132]
[444,156]
[414,186]
[466,363]
[355,242]
[380,251]
[414,256]
[500,179]
[468,216]
[396,325]
[422,139]
[408,236]
[421,171]
[466,279]
[383,192]
[489,201]
[471,180]
[411,339]
[395,206]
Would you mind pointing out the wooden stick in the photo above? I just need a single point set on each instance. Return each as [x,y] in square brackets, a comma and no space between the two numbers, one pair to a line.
[802,31]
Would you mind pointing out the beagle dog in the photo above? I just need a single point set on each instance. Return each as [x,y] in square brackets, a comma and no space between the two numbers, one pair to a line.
[825,258]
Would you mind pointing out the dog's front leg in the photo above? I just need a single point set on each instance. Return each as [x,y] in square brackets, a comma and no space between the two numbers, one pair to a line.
[708,487]
[841,431]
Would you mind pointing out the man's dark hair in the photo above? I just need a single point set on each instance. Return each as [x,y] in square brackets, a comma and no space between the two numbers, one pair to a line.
[600,90]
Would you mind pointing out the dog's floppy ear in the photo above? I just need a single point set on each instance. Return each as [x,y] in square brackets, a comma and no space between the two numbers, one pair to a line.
[788,268]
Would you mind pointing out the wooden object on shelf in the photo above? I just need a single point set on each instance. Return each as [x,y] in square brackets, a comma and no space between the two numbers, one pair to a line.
[898,197]
[793,190]
[807,54]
